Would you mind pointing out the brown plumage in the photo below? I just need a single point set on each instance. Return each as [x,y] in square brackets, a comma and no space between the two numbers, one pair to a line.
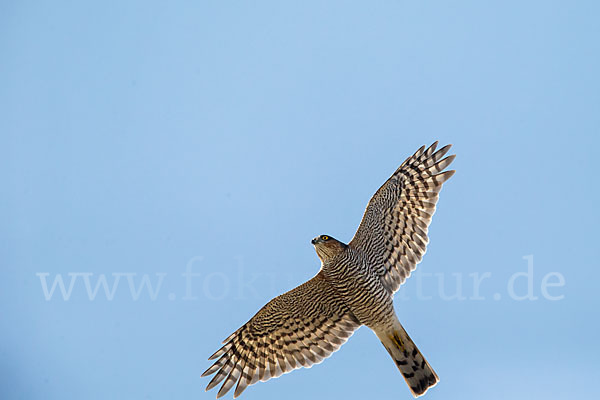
[327,247]
[354,287]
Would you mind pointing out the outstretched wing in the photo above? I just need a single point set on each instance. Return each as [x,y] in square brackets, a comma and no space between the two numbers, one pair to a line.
[393,231]
[297,329]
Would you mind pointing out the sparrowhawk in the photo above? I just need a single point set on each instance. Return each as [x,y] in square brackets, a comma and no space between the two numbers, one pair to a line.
[354,286]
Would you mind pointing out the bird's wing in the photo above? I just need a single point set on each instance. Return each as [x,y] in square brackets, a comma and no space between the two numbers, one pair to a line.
[393,230]
[297,329]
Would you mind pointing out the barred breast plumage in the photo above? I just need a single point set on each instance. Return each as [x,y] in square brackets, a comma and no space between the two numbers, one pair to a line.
[354,287]
[359,286]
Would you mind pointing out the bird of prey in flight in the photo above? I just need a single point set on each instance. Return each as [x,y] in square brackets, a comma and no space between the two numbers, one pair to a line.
[354,287]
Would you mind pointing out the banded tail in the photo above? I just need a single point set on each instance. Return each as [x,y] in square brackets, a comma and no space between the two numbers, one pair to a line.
[414,368]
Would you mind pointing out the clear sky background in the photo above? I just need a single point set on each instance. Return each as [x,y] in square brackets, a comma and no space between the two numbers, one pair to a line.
[140,138]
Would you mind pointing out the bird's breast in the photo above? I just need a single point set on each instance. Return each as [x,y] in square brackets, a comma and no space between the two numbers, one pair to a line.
[360,288]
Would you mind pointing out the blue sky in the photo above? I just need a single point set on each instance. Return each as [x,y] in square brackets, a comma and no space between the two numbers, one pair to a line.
[140,140]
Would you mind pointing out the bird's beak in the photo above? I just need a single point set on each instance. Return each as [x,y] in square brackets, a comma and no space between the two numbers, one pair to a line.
[314,241]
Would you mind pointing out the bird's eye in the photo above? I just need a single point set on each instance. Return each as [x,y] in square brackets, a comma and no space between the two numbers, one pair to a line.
[324,237]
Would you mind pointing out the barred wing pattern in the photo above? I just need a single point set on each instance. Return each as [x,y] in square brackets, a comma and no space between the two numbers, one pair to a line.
[393,231]
[297,329]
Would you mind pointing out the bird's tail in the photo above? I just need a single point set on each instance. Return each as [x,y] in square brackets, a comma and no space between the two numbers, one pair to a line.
[414,368]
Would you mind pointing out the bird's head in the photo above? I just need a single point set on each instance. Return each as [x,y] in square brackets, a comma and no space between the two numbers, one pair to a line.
[327,247]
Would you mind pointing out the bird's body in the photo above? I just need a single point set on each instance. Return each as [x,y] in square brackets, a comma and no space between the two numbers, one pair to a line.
[354,287]
[351,276]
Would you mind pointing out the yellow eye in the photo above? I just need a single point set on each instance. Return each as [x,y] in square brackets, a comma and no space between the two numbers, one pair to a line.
[324,237]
